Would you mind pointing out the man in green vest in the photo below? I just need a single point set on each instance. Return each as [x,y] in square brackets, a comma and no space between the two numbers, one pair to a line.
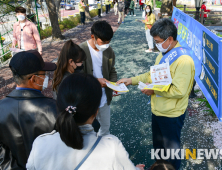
[82,7]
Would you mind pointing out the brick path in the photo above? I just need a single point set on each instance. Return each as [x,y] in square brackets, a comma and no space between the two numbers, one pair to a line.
[51,50]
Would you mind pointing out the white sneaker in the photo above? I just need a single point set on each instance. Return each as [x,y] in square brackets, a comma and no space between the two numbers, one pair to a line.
[148,51]
[130,15]
[134,15]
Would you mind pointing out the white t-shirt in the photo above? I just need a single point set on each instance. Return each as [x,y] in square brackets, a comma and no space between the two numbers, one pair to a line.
[22,40]
[97,62]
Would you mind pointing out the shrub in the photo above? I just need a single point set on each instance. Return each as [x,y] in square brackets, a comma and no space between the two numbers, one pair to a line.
[103,8]
[46,32]
[75,20]
[61,27]
[6,57]
[93,13]
[67,23]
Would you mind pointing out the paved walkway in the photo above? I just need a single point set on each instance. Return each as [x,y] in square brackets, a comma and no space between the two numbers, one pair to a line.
[131,116]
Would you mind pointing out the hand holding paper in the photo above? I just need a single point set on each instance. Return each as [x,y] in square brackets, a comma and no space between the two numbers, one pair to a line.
[117,87]
[161,77]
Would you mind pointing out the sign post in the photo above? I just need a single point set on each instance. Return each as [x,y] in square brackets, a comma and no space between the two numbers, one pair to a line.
[206,51]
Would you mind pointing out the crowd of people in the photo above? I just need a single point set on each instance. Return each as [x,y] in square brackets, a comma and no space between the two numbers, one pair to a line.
[72,130]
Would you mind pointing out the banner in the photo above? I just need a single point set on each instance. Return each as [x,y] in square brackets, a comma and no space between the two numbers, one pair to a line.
[206,49]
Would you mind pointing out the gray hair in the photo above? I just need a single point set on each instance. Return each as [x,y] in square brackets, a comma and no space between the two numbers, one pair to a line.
[164,28]
[22,79]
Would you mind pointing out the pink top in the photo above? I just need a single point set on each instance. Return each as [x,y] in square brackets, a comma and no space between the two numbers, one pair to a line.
[30,36]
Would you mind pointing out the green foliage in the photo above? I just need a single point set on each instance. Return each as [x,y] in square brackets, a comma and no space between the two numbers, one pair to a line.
[196,91]
[103,8]
[5,6]
[219,35]
[6,57]
[68,23]
[206,103]
[46,32]
[187,9]
[158,4]
[61,27]
[93,12]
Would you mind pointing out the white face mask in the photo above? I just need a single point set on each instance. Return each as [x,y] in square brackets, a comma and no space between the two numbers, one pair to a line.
[102,47]
[21,17]
[147,10]
[45,82]
[160,46]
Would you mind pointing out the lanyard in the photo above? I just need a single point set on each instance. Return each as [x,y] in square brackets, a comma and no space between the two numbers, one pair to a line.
[174,54]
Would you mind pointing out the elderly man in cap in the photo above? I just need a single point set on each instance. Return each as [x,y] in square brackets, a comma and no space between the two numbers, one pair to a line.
[25,113]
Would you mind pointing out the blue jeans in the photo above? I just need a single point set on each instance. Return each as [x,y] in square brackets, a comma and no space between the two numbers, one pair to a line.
[166,133]
[83,16]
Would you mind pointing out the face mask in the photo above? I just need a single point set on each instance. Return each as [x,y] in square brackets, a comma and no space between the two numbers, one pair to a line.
[21,17]
[147,10]
[102,47]
[78,68]
[160,47]
[45,83]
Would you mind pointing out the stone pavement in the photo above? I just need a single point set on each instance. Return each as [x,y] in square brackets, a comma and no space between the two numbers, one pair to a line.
[130,114]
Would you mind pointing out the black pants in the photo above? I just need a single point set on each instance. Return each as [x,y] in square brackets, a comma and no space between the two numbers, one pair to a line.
[141,7]
[166,133]
[107,9]
[83,17]
[131,10]
[99,12]
[125,10]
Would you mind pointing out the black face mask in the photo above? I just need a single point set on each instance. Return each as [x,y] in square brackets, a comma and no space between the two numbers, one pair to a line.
[79,68]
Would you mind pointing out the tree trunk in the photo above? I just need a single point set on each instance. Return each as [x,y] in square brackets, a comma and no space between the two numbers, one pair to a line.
[29,5]
[166,6]
[88,17]
[56,32]
[175,3]
[57,4]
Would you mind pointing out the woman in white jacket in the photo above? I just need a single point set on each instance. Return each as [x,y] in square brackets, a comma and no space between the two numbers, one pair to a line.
[78,102]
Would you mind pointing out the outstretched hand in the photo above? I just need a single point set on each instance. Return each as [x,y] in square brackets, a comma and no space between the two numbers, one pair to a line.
[126,81]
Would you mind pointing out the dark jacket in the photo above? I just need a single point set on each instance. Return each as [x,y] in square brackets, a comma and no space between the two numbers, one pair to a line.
[120,6]
[132,3]
[108,69]
[24,115]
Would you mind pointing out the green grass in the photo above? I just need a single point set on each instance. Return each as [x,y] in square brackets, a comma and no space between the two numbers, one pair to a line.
[219,35]
[206,103]
[6,57]
[196,91]
[187,9]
